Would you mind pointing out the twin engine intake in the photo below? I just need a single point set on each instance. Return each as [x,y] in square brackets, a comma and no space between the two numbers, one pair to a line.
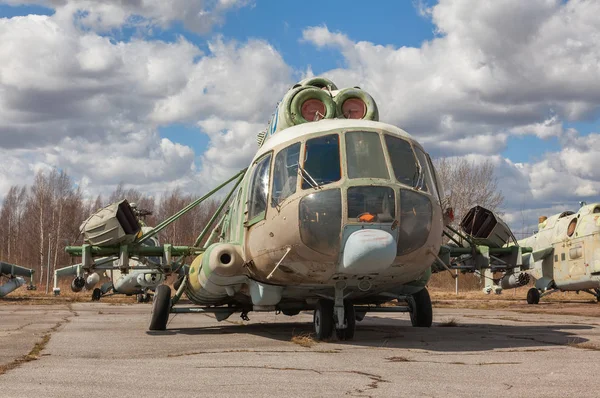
[318,98]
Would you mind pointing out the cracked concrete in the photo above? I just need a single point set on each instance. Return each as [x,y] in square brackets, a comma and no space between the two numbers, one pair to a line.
[103,350]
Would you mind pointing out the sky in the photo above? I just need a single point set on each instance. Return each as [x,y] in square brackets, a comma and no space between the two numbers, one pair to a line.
[160,95]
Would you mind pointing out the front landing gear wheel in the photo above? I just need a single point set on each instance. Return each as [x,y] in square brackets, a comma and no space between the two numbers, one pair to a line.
[323,319]
[533,296]
[422,313]
[139,298]
[96,294]
[160,308]
[350,321]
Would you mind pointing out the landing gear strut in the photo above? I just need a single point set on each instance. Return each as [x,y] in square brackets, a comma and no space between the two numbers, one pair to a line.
[338,313]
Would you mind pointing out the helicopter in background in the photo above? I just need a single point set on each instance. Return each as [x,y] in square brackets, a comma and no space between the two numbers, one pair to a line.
[15,276]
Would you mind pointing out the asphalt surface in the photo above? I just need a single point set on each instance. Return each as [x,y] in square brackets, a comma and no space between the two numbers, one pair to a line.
[102,349]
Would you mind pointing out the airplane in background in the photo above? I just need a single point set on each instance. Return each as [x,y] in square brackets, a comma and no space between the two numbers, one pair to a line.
[337,213]
[565,253]
[15,275]
[139,278]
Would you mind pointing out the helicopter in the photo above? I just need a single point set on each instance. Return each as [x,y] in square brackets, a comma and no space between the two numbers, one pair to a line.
[337,213]
[140,277]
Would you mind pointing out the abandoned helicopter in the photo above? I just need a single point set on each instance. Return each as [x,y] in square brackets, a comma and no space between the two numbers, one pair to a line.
[337,213]
[564,255]
[139,278]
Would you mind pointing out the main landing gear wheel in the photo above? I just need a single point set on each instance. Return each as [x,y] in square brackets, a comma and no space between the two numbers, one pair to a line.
[350,321]
[160,308]
[323,319]
[533,296]
[421,314]
[96,294]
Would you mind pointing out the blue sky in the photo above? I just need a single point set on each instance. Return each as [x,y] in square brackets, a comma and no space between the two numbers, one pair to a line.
[277,23]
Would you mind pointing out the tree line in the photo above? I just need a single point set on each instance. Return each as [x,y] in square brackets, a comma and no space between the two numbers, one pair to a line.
[38,221]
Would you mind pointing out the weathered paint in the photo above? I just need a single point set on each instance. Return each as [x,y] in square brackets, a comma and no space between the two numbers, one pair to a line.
[271,244]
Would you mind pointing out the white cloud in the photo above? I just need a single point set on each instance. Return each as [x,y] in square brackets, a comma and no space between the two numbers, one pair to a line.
[101,15]
[91,106]
[496,66]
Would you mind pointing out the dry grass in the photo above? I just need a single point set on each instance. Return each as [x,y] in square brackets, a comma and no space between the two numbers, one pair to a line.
[399,359]
[31,356]
[450,323]
[586,345]
[304,340]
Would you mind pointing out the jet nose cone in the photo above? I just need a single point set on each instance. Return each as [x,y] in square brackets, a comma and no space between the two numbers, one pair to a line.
[367,251]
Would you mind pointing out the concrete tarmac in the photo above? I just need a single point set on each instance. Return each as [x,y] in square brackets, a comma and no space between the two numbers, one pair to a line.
[103,349]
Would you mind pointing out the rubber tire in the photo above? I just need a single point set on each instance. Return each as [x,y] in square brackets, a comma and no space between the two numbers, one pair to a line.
[323,319]
[350,318]
[422,314]
[139,298]
[96,294]
[533,296]
[160,308]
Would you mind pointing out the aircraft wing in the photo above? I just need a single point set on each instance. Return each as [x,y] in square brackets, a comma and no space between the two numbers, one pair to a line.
[7,269]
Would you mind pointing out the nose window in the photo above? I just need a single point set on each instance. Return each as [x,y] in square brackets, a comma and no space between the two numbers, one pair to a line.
[371,204]
[365,156]
[321,220]
[415,221]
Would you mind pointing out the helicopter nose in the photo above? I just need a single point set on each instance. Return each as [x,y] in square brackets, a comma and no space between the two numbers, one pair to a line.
[367,251]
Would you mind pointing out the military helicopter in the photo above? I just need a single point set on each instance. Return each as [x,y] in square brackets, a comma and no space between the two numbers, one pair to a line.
[15,275]
[139,278]
[564,255]
[336,214]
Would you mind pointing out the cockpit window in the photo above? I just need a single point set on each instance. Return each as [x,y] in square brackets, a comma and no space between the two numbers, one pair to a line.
[403,160]
[415,221]
[321,161]
[364,155]
[259,188]
[425,182]
[371,204]
[320,221]
[285,173]
[597,209]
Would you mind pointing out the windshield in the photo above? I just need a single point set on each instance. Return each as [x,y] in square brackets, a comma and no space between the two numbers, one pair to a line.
[403,160]
[364,155]
[322,160]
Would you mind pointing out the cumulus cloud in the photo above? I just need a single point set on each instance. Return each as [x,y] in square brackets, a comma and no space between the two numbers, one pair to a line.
[91,105]
[100,15]
[495,66]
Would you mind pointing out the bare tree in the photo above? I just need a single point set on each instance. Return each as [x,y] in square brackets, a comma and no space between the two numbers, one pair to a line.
[468,184]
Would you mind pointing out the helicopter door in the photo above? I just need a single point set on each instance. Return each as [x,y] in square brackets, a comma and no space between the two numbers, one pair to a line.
[561,266]
[575,253]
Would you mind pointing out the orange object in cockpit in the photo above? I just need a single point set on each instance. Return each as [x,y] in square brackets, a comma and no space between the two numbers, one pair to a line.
[366,217]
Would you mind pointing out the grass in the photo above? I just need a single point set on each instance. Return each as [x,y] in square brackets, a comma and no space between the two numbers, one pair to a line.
[304,340]
[31,356]
[451,323]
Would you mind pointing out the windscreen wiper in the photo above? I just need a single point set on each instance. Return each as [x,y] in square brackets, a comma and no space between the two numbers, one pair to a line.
[311,181]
